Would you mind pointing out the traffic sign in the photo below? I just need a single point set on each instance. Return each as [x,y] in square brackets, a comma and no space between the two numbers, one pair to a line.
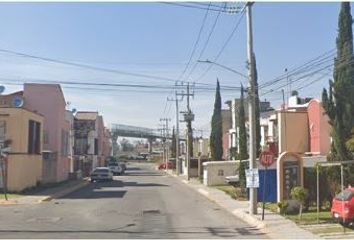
[266,158]
[252,178]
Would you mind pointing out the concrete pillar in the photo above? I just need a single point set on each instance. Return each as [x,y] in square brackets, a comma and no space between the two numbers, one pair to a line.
[150,140]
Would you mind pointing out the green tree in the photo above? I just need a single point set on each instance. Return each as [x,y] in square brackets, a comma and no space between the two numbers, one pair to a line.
[216,149]
[242,139]
[173,144]
[257,109]
[339,101]
[300,194]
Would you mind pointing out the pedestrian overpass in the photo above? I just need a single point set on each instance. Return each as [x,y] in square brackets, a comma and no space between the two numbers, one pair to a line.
[121,130]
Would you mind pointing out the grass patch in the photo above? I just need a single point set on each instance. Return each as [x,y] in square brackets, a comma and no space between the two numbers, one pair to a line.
[10,196]
[332,229]
[311,217]
[234,193]
[273,207]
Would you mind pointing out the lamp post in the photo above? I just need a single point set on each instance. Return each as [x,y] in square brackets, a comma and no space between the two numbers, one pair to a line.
[225,67]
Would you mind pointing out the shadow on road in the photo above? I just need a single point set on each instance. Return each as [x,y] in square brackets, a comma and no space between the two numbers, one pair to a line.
[137,174]
[106,189]
[214,231]
[119,183]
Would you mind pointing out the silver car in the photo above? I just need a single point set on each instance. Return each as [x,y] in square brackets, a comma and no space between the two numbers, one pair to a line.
[101,174]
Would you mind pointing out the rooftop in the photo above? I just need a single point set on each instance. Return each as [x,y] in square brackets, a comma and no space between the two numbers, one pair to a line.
[86,115]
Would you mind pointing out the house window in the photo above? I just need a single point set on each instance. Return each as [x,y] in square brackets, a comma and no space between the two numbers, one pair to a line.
[2,132]
[220,172]
[45,137]
[96,146]
[81,146]
[34,137]
[64,142]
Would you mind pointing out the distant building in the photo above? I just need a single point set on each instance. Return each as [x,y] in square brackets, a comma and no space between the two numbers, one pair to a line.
[226,117]
[301,127]
[234,107]
[90,141]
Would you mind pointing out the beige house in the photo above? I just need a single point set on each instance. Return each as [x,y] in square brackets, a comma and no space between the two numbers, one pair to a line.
[24,162]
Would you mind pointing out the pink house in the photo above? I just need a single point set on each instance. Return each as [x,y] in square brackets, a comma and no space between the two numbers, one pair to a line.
[49,101]
[319,129]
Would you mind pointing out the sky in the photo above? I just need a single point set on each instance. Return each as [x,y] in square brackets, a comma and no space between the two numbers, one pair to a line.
[158,39]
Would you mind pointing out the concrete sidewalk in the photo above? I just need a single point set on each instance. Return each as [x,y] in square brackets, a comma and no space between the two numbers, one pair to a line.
[274,225]
[48,193]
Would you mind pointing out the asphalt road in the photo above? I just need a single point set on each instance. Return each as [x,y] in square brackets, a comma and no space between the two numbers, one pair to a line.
[144,203]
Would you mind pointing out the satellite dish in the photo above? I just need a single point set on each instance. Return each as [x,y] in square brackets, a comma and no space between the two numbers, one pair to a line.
[73,110]
[17,101]
[2,89]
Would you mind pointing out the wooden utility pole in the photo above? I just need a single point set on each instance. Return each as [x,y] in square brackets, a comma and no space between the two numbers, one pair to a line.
[178,165]
[188,118]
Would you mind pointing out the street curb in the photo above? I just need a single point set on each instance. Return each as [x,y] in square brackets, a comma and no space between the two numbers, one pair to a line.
[240,213]
[64,192]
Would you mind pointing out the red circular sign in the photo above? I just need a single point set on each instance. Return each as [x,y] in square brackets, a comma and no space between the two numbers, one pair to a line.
[266,158]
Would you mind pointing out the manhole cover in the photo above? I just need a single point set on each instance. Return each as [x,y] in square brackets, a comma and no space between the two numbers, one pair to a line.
[44,219]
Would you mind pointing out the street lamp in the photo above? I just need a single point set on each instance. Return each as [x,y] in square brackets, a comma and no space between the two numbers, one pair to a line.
[225,67]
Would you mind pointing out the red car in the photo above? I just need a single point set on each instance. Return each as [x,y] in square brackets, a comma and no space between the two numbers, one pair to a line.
[343,206]
[170,165]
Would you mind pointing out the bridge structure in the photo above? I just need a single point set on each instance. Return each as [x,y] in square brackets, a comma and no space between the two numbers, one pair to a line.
[121,130]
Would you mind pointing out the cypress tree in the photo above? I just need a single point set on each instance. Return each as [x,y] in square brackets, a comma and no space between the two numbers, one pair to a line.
[216,128]
[257,109]
[339,101]
[242,140]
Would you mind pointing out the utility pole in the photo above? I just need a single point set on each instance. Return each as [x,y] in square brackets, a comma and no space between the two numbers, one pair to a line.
[188,118]
[162,131]
[178,166]
[166,135]
[251,105]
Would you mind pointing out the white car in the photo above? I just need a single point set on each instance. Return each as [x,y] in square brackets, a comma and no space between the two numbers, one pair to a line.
[101,174]
[115,168]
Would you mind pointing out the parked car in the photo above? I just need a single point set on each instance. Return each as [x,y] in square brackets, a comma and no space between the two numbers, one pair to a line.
[116,168]
[101,174]
[170,165]
[343,206]
[123,166]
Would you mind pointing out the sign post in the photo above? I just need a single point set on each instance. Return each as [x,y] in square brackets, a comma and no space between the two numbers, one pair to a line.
[266,159]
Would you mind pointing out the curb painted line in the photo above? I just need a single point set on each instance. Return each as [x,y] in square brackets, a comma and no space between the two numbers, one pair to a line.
[64,192]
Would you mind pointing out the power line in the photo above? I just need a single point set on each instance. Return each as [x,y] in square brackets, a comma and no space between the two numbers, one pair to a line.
[86,66]
[205,44]
[195,44]
[224,46]
[296,70]
[196,7]
[116,86]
